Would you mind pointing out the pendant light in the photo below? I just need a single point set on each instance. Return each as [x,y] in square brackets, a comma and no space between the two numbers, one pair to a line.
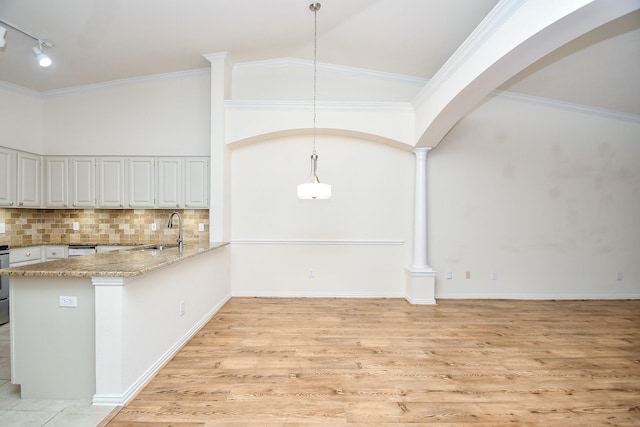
[313,188]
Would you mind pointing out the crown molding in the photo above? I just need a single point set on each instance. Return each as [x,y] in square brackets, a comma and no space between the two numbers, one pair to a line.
[547,102]
[297,105]
[20,89]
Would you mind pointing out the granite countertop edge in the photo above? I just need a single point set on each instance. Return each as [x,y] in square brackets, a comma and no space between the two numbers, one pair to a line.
[119,263]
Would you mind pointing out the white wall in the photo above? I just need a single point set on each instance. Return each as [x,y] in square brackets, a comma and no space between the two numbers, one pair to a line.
[166,115]
[139,325]
[292,80]
[357,243]
[547,198]
[20,119]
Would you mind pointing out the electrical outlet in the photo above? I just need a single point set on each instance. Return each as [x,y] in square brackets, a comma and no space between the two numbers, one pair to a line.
[200,227]
[620,276]
[467,274]
[448,275]
[312,273]
[76,226]
[182,308]
[494,275]
[2,228]
[154,226]
[68,301]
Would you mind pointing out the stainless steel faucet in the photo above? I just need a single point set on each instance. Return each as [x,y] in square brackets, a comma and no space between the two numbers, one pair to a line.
[180,235]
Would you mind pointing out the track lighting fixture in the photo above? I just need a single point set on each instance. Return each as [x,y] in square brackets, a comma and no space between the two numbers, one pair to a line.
[43,59]
[313,188]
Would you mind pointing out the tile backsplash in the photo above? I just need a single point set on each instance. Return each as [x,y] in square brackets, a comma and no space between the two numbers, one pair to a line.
[101,226]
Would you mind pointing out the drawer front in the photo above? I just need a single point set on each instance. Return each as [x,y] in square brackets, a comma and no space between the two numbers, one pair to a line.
[26,254]
[56,252]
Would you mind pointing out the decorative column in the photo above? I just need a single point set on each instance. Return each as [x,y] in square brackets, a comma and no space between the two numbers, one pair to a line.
[420,277]
[220,164]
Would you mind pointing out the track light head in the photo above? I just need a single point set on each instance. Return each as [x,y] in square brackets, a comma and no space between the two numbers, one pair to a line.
[3,33]
[42,58]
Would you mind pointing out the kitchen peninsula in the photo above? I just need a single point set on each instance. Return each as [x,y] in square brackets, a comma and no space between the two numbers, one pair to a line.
[99,326]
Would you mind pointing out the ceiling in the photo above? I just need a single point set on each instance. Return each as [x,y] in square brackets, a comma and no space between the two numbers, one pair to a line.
[98,41]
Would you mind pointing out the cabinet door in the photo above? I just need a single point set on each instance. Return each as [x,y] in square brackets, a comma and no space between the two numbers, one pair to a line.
[141,182]
[170,179]
[196,185]
[82,182]
[29,180]
[110,181]
[56,182]
[7,177]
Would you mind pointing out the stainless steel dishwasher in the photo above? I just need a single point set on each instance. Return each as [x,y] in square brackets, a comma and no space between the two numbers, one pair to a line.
[4,285]
[79,250]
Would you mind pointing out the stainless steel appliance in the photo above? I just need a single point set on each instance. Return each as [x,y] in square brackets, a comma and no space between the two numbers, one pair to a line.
[4,285]
[78,250]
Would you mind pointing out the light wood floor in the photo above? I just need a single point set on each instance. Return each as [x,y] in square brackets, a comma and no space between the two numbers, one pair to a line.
[383,362]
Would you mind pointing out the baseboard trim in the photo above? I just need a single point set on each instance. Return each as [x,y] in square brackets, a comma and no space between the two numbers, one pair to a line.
[124,398]
[287,294]
[594,296]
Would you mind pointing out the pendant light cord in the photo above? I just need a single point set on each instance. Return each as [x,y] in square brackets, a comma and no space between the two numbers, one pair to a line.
[314,7]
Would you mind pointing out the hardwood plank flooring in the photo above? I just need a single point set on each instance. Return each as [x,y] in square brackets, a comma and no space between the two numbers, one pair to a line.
[383,362]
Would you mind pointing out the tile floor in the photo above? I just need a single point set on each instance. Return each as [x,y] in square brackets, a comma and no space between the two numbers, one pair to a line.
[16,412]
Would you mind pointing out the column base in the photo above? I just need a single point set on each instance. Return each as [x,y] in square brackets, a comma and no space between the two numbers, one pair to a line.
[421,285]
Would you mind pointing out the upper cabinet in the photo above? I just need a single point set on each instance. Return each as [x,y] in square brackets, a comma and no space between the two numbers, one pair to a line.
[111,175]
[56,189]
[141,182]
[103,182]
[69,182]
[183,182]
[7,177]
[82,182]
[196,182]
[21,179]
[170,179]
[29,187]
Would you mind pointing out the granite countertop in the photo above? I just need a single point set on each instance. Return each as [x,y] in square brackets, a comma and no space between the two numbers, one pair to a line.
[119,263]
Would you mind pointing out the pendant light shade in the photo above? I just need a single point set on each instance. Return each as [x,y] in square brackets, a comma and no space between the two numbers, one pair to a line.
[313,188]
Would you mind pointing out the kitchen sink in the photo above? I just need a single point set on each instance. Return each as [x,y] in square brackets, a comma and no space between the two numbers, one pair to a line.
[155,247]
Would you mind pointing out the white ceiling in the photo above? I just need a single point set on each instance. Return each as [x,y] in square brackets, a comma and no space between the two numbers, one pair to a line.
[99,41]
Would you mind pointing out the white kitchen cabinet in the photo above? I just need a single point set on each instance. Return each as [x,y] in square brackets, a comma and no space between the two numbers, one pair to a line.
[141,182]
[111,175]
[29,180]
[56,193]
[183,182]
[170,179]
[25,255]
[7,177]
[196,182]
[52,252]
[29,186]
[82,182]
